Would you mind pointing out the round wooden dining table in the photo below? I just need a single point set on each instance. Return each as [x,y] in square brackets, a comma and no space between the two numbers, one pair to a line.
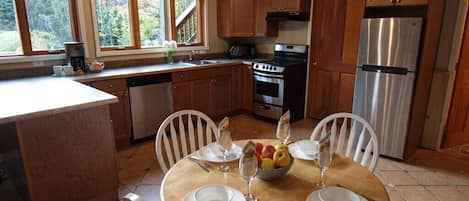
[185,176]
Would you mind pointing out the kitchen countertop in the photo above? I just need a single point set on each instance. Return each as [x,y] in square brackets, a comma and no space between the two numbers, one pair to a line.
[155,69]
[35,97]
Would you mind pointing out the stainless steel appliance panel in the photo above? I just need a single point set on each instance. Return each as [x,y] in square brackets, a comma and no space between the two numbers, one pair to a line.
[269,111]
[384,99]
[390,42]
[150,105]
[268,89]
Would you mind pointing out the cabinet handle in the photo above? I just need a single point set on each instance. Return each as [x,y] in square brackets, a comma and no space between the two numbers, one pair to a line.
[397,1]
[110,86]
[315,63]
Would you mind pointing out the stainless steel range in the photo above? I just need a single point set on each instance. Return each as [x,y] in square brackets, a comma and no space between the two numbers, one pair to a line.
[280,84]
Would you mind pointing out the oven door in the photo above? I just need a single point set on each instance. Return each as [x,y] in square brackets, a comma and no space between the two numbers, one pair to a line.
[268,88]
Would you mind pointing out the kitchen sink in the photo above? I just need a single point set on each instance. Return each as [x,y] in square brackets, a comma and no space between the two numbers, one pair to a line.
[201,62]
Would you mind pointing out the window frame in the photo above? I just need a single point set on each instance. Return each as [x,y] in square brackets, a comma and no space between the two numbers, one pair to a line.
[200,5]
[25,34]
[136,48]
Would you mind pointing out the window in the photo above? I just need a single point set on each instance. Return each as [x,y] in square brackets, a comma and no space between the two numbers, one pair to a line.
[137,24]
[32,27]
[185,23]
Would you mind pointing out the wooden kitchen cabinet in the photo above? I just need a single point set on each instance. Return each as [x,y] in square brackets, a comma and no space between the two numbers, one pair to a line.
[120,111]
[221,95]
[243,83]
[209,90]
[334,53]
[182,95]
[201,96]
[236,18]
[263,27]
[247,87]
[384,3]
[290,5]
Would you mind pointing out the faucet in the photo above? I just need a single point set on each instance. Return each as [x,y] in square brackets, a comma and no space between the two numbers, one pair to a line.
[191,54]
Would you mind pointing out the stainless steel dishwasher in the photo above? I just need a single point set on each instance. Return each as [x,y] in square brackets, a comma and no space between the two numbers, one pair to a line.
[151,101]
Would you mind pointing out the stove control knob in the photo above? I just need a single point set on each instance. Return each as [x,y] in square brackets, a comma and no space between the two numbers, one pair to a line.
[275,68]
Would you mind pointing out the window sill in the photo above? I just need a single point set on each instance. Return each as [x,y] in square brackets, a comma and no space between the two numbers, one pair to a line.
[148,51]
[26,59]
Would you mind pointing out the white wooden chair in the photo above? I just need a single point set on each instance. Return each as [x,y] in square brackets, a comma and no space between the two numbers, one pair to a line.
[365,139]
[203,133]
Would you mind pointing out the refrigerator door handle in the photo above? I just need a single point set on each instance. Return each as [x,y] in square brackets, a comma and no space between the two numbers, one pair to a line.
[385,69]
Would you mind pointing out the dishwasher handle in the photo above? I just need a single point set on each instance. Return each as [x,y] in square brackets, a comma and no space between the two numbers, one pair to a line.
[149,79]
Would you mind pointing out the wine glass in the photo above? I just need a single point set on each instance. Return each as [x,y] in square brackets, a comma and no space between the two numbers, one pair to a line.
[224,142]
[248,170]
[324,160]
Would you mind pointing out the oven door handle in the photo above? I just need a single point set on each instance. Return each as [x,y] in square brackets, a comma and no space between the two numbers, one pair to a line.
[268,75]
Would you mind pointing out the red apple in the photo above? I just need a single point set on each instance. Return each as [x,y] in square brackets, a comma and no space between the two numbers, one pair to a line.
[259,147]
[268,151]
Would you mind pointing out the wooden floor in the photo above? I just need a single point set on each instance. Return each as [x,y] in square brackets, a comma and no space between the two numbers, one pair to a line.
[429,176]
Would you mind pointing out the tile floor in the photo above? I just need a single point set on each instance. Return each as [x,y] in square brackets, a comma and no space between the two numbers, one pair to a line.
[429,176]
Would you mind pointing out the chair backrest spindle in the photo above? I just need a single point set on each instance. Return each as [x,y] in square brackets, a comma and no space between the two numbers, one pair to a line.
[178,137]
[363,151]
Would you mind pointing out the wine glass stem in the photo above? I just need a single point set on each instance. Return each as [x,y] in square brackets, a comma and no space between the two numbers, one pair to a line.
[249,186]
[224,158]
[321,176]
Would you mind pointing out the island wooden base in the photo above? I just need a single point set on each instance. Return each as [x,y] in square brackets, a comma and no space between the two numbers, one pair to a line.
[69,156]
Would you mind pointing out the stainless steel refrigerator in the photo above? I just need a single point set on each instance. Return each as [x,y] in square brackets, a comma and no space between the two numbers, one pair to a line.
[385,78]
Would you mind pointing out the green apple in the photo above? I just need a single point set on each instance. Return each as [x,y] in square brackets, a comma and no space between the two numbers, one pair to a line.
[281,158]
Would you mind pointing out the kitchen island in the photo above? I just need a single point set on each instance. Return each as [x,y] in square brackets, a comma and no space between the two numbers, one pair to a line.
[56,141]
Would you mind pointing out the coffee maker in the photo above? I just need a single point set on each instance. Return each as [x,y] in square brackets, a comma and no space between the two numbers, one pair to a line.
[75,55]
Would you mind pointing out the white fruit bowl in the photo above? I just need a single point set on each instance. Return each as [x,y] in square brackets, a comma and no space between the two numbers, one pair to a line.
[272,174]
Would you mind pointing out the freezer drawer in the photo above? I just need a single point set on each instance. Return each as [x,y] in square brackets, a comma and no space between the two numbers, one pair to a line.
[384,100]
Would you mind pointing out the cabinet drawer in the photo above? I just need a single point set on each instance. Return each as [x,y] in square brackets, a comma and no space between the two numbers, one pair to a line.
[201,74]
[111,85]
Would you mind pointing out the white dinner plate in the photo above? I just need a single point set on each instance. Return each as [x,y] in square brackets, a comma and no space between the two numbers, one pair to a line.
[334,194]
[296,152]
[237,196]
[212,153]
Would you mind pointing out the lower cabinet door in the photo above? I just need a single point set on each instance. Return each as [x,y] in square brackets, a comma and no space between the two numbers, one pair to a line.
[221,91]
[182,98]
[120,116]
[201,96]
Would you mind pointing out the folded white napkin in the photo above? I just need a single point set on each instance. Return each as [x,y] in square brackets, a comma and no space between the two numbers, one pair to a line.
[283,127]
[223,126]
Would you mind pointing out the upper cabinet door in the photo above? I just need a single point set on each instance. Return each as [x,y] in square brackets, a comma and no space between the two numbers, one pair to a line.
[277,5]
[236,18]
[297,5]
[242,18]
[263,27]
[379,3]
